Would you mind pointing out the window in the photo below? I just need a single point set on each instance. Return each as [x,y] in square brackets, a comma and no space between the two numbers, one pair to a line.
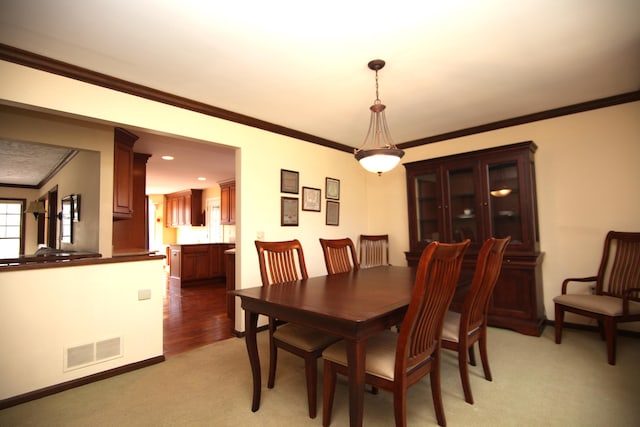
[11,227]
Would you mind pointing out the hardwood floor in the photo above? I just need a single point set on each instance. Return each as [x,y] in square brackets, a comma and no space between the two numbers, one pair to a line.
[194,316]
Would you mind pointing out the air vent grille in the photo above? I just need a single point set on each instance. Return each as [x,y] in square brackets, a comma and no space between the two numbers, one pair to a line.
[92,353]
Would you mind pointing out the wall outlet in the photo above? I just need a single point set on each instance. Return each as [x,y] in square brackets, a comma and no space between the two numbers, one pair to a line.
[144,294]
[260,235]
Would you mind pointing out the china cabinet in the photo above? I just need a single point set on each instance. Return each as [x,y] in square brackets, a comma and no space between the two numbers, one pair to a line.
[477,195]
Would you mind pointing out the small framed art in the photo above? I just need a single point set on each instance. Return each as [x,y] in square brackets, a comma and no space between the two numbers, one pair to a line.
[311,199]
[288,211]
[289,181]
[333,213]
[332,188]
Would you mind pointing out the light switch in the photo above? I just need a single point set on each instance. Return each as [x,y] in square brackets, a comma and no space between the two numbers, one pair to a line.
[144,294]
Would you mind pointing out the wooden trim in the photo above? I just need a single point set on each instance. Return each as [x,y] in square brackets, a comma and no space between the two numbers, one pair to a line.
[43,63]
[57,388]
[528,118]
[80,261]
[590,328]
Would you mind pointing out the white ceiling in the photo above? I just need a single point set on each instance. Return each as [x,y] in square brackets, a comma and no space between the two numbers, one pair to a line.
[451,65]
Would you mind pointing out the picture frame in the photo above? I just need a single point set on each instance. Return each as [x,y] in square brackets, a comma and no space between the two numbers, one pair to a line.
[288,211]
[332,188]
[289,181]
[311,199]
[333,213]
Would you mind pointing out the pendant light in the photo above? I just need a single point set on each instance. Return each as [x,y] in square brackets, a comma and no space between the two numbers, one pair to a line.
[383,154]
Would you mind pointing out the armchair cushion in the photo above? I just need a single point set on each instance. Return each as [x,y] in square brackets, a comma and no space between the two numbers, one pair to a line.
[304,338]
[603,304]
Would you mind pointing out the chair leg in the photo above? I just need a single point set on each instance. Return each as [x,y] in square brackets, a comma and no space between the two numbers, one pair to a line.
[610,333]
[311,371]
[464,371]
[400,405]
[558,323]
[436,391]
[329,388]
[484,356]
[472,356]
[273,361]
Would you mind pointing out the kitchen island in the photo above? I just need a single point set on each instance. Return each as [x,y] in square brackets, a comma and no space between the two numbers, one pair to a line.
[197,264]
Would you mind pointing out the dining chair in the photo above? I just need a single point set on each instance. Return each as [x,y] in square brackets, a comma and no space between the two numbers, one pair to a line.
[282,262]
[615,297]
[339,255]
[374,250]
[396,361]
[461,331]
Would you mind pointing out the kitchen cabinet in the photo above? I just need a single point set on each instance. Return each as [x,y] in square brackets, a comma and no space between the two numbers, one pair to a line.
[198,263]
[228,203]
[184,208]
[123,173]
[477,195]
[230,270]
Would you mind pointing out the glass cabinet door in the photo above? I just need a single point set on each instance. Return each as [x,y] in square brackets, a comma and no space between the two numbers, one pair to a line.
[461,208]
[504,201]
[427,208]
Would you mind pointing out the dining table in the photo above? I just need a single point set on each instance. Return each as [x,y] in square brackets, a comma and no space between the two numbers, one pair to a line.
[353,306]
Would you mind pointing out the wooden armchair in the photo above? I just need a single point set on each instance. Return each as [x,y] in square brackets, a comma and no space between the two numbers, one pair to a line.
[374,250]
[339,255]
[396,361]
[616,295]
[284,262]
[462,330]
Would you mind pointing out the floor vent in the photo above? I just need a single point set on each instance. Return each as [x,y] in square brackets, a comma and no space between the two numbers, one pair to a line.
[90,354]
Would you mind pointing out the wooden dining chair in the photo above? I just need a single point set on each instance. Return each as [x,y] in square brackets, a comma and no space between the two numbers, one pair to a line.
[374,250]
[339,255]
[462,330]
[396,361]
[282,262]
[615,297]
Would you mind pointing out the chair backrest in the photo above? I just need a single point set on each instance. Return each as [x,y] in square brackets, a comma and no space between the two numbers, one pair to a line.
[488,267]
[339,255]
[620,266]
[374,250]
[281,261]
[436,279]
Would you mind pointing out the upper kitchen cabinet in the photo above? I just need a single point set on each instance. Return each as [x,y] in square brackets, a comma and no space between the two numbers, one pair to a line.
[184,208]
[228,202]
[123,174]
[477,195]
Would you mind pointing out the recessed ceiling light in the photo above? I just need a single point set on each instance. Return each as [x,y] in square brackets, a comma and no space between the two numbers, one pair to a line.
[202,178]
[167,157]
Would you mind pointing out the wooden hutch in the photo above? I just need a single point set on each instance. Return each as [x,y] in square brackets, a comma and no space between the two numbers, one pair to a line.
[477,195]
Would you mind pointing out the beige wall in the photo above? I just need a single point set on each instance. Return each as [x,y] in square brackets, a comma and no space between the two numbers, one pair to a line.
[586,169]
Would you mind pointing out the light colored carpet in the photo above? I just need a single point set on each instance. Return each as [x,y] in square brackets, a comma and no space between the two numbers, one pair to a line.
[536,383]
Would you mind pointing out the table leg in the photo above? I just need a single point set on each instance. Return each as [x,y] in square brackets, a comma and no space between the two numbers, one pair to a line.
[356,356]
[251,325]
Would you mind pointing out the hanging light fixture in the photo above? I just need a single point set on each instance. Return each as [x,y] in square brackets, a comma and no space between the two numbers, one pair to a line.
[384,155]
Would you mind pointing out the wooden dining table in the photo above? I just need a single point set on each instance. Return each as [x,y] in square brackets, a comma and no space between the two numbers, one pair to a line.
[353,306]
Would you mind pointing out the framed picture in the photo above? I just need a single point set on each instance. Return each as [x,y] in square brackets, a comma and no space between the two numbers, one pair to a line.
[311,199]
[333,213]
[289,181]
[332,188]
[288,211]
